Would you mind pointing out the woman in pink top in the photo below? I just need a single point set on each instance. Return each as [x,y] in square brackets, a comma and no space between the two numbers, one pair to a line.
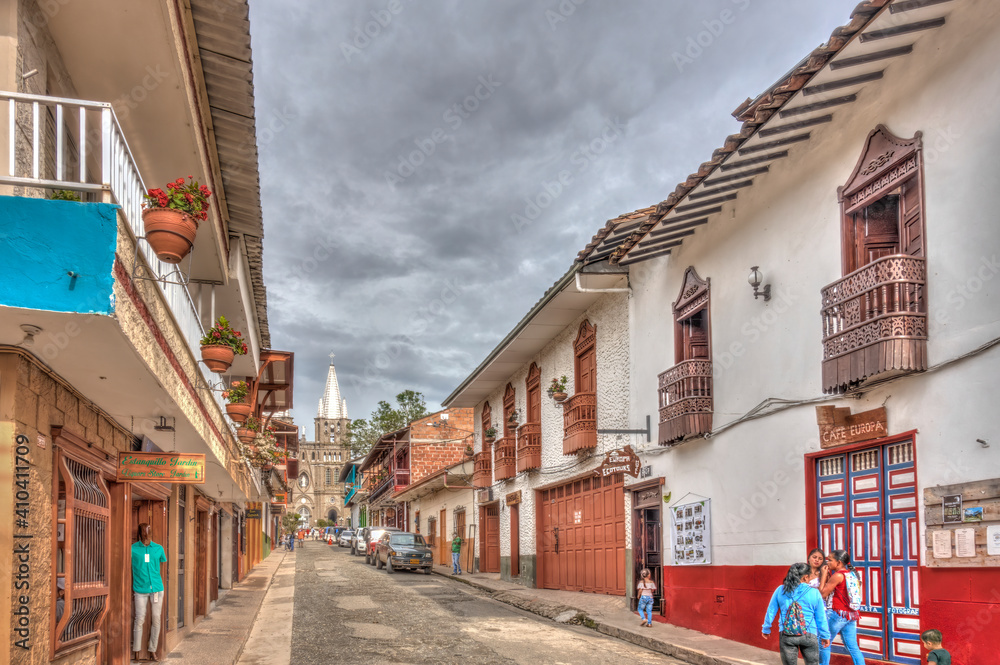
[646,588]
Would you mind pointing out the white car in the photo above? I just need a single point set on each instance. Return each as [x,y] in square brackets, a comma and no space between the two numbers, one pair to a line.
[345,538]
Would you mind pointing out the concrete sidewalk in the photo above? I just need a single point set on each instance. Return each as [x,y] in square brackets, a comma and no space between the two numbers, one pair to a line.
[610,615]
[218,639]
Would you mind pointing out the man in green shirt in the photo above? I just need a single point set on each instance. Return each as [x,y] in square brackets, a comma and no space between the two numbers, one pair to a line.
[456,549]
[147,586]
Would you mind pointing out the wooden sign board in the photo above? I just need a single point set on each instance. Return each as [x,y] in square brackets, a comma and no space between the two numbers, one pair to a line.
[960,521]
[280,498]
[253,513]
[514,498]
[837,426]
[621,460]
[184,468]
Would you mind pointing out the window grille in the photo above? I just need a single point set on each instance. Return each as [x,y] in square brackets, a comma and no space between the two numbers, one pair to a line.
[900,453]
[328,476]
[82,552]
[831,466]
[865,460]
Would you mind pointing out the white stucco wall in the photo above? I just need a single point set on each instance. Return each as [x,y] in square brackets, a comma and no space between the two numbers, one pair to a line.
[789,224]
[610,316]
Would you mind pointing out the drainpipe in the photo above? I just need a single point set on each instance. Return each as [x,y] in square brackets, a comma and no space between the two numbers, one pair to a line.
[583,289]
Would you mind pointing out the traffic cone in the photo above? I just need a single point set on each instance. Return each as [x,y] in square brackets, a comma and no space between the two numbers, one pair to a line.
[330,542]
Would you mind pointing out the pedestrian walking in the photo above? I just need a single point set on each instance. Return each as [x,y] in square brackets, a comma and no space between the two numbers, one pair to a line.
[456,550]
[645,590]
[801,617]
[841,582]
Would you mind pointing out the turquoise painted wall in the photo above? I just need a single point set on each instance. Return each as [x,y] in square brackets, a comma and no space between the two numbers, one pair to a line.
[42,242]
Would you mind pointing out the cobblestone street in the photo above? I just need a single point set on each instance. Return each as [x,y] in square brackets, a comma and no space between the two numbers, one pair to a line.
[347,611]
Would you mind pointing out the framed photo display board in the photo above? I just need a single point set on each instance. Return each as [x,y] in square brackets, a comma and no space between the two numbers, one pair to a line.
[691,533]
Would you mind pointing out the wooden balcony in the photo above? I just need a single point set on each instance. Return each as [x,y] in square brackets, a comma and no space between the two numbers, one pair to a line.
[482,476]
[579,422]
[685,401]
[529,446]
[506,458]
[875,322]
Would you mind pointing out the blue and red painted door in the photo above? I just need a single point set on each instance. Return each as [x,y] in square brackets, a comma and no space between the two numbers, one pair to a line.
[867,505]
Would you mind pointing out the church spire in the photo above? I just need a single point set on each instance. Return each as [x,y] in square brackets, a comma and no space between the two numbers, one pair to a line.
[331,406]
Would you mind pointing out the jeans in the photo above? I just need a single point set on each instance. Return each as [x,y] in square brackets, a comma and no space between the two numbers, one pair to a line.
[848,633]
[646,608]
[141,600]
[455,568]
[790,645]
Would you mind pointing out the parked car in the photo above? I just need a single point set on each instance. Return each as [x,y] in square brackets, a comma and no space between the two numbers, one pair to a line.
[344,540]
[371,541]
[398,550]
[358,541]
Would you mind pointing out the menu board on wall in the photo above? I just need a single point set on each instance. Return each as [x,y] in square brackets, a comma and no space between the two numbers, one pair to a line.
[691,533]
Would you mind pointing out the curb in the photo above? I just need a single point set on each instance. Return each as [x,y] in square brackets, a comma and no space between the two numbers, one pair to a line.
[567,614]
[239,653]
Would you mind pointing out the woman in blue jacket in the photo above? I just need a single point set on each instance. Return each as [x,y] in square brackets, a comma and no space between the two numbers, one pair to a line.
[799,632]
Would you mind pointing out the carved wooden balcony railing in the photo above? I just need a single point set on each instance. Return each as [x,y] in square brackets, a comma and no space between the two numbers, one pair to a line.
[506,458]
[875,321]
[482,476]
[685,400]
[529,446]
[579,422]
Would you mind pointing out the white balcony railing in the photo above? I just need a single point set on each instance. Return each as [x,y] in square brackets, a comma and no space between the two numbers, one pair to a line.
[70,144]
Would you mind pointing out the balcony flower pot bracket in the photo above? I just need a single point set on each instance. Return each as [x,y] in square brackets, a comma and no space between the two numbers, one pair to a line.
[220,345]
[557,389]
[171,217]
[237,408]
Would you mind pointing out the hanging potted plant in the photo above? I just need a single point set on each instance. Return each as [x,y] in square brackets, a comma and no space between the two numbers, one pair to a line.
[220,345]
[469,451]
[171,217]
[490,434]
[248,430]
[557,389]
[237,408]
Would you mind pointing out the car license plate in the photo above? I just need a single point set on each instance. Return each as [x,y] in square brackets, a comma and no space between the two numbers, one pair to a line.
[414,562]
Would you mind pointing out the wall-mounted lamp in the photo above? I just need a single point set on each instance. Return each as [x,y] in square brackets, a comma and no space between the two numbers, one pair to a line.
[755,279]
[29,335]
[163,426]
[983,442]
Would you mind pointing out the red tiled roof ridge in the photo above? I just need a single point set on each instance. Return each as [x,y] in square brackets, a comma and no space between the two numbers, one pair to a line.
[753,113]
[609,228]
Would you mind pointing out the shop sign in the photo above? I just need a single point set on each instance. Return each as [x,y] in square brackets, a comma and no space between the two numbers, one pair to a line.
[161,468]
[514,498]
[280,498]
[253,513]
[621,460]
[837,426]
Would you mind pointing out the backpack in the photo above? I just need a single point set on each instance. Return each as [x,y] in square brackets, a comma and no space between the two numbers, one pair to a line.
[794,622]
[854,593]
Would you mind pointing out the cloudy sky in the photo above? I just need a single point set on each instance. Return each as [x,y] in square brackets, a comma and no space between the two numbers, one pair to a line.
[410,155]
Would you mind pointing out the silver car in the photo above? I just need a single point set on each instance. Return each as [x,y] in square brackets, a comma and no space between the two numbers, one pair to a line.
[345,538]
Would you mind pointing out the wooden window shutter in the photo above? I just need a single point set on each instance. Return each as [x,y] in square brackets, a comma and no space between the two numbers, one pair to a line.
[81,552]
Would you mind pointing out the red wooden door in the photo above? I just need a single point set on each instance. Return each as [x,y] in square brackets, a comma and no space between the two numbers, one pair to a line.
[586,371]
[444,542]
[582,536]
[515,541]
[201,565]
[489,545]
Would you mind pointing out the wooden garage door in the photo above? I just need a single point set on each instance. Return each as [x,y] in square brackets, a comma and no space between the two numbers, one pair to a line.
[582,536]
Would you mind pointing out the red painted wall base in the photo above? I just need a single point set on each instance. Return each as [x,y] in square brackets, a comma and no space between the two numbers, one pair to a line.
[730,601]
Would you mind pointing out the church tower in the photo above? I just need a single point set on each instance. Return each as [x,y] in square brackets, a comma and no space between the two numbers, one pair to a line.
[316,493]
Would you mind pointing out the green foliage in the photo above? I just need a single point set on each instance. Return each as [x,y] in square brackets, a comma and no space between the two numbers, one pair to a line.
[187,196]
[364,432]
[237,392]
[64,195]
[321,523]
[290,522]
[223,333]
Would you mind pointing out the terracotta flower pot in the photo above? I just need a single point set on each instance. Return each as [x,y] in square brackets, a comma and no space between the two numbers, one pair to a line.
[245,435]
[490,439]
[238,412]
[559,397]
[169,232]
[217,357]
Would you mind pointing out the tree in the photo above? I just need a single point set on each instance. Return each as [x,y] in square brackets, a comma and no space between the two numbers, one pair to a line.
[364,432]
[290,522]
